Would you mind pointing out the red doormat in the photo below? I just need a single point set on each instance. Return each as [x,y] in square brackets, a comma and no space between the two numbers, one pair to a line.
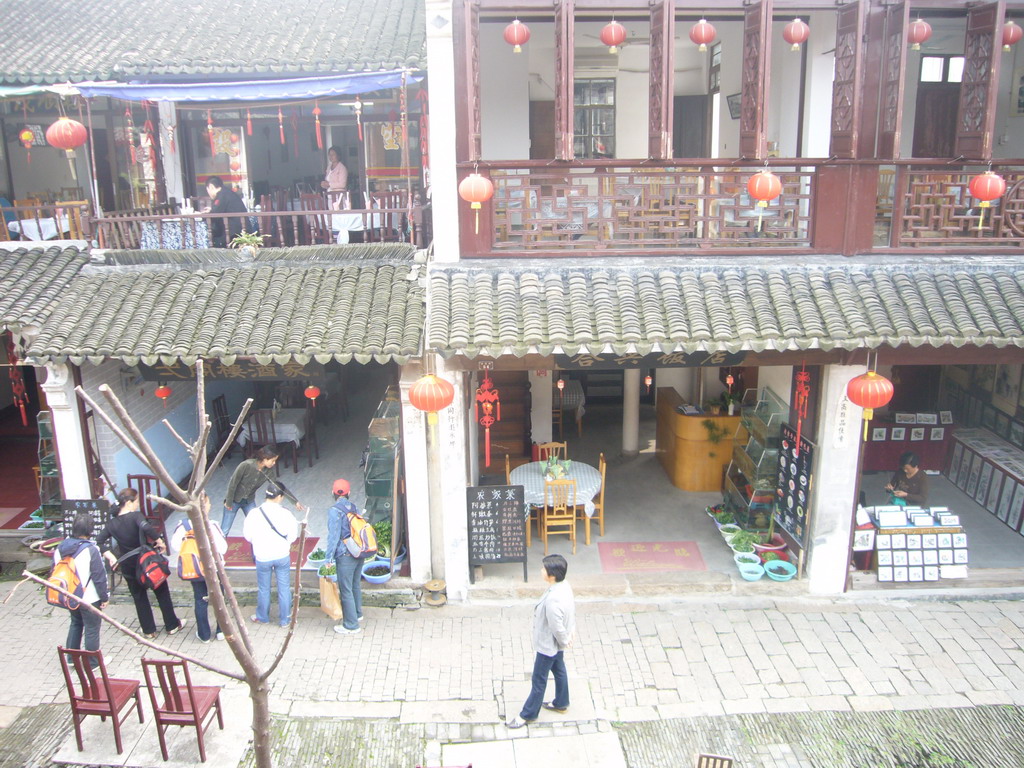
[239,554]
[648,556]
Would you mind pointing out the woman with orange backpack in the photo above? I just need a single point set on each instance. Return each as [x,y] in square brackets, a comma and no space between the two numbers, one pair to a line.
[190,568]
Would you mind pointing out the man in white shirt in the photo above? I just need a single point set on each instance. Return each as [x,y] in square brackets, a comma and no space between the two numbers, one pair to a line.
[271,529]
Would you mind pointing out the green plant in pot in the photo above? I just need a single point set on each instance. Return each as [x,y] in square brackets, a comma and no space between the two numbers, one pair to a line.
[383,531]
[248,243]
[744,541]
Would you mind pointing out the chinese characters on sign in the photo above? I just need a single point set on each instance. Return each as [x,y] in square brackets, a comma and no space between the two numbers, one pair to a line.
[99,509]
[658,360]
[793,493]
[244,370]
[497,525]
[649,556]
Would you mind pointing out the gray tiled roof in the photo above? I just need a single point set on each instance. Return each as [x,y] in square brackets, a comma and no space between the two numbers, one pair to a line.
[504,307]
[49,41]
[280,309]
[32,280]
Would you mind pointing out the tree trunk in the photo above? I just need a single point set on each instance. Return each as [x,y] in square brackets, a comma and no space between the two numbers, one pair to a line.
[259,693]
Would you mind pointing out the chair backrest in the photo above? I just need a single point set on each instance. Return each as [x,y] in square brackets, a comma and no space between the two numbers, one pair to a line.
[545,450]
[93,685]
[508,470]
[559,496]
[29,201]
[602,467]
[319,229]
[714,761]
[145,485]
[260,427]
[174,683]
[221,422]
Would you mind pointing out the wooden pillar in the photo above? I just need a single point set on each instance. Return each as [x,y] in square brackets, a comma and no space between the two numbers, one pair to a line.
[894,65]
[846,229]
[757,50]
[564,78]
[662,77]
[467,79]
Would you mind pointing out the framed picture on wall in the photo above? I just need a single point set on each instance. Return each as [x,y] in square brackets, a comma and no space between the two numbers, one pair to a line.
[917,433]
[927,418]
[1017,92]
[733,100]
[1003,425]
[938,433]
[1017,433]
[1006,389]
[899,433]
[988,417]
[906,418]
[946,417]
[878,434]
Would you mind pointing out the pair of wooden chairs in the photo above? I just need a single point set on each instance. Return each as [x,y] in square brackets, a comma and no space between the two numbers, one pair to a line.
[175,700]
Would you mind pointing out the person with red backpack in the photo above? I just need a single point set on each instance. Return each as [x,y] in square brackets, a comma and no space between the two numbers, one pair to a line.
[348,552]
[87,565]
[123,541]
[190,568]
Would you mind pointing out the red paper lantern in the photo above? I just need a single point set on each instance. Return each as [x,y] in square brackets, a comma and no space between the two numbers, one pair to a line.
[648,380]
[163,392]
[869,391]
[66,134]
[919,31]
[795,33]
[516,35]
[986,187]
[312,392]
[763,186]
[1011,35]
[476,189]
[235,165]
[431,394]
[612,35]
[703,34]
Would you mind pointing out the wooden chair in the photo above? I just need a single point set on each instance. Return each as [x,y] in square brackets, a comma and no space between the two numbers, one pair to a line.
[319,225]
[182,704]
[33,202]
[310,444]
[392,218]
[544,451]
[153,511]
[259,431]
[97,693]
[559,513]
[221,423]
[71,193]
[598,502]
[714,761]
[556,422]
[508,470]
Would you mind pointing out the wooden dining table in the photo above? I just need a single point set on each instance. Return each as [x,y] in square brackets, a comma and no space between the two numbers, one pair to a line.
[531,477]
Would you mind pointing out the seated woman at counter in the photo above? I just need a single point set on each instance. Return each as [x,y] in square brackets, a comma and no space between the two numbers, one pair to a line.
[909,484]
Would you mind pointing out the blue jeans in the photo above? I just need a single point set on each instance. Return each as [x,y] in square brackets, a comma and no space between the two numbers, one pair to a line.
[350,586]
[200,591]
[281,568]
[541,666]
[85,621]
[228,519]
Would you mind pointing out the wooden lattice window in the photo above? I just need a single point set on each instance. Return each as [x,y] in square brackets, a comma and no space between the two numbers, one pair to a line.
[594,117]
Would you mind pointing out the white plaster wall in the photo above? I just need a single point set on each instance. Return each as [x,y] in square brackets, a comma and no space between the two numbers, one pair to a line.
[414,452]
[504,97]
[731,36]
[49,169]
[1009,130]
[778,378]
[818,89]
[540,406]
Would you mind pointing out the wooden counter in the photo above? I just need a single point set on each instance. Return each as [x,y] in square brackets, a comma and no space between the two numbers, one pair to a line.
[692,462]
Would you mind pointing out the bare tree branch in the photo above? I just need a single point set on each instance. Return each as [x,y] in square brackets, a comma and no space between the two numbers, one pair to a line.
[228,442]
[188,448]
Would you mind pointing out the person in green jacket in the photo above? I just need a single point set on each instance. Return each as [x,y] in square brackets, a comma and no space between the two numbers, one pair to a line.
[248,478]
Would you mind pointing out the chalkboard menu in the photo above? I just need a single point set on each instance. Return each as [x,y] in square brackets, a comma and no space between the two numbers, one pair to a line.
[497,525]
[793,494]
[98,508]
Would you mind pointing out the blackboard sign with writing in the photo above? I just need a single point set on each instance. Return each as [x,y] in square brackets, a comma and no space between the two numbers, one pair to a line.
[98,508]
[796,466]
[497,525]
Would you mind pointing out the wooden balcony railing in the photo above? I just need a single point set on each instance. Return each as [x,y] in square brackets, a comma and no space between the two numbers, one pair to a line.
[64,220]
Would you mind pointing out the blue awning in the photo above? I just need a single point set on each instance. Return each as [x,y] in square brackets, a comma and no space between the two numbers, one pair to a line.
[255,90]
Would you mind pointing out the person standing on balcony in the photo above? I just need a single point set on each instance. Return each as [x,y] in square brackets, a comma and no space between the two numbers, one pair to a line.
[336,178]
[225,200]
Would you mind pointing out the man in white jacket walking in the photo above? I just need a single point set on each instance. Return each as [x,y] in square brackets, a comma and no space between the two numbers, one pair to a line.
[554,621]
[271,529]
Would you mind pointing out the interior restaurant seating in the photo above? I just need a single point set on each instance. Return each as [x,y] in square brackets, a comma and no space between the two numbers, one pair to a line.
[559,513]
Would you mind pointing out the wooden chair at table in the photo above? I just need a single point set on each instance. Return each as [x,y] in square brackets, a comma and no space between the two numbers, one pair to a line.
[259,431]
[183,704]
[556,422]
[598,503]
[559,513]
[97,693]
[310,444]
[319,224]
[560,450]
[153,511]
[220,423]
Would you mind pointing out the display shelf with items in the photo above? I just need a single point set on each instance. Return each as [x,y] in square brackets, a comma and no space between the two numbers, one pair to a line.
[918,545]
[750,479]
[48,471]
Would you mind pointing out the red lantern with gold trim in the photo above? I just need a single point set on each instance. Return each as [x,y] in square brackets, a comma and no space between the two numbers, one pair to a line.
[476,189]
[163,392]
[431,394]
[919,31]
[312,392]
[1011,35]
[612,35]
[986,187]
[67,134]
[517,34]
[795,33]
[763,186]
[703,34]
[869,391]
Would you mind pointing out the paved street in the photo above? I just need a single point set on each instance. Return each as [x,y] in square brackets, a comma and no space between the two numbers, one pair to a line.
[648,679]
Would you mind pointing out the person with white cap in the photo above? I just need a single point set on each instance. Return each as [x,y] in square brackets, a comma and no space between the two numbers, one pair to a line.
[349,567]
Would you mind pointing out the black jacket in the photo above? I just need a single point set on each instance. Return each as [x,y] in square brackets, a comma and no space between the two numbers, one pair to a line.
[226,201]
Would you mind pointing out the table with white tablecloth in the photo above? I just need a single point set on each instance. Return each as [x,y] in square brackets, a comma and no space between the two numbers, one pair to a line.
[349,221]
[39,229]
[531,477]
[289,427]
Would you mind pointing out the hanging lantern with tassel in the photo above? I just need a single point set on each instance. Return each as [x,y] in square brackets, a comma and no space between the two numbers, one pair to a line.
[1011,35]
[986,187]
[316,116]
[248,122]
[648,380]
[795,33]
[163,392]
[488,401]
[67,134]
[209,131]
[763,186]
[476,189]
[869,391]
[919,31]
[26,137]
[517,34]
[431,394]
[312,392]
[703,34]
[18,395]
[612,35]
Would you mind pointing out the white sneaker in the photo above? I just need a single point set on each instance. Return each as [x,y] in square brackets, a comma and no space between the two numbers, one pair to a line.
[340,629]
[360,618]
[201,639]
[220,635]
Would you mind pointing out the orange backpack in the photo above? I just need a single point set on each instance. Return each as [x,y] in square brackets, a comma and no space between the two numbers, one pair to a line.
[65,575]
[190,566]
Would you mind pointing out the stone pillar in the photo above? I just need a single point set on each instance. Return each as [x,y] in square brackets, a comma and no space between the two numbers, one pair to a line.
[541,402]
[451,472]
[173,178]
[414,452]
[833,498]
[631,412]
[443,182]
[67,431]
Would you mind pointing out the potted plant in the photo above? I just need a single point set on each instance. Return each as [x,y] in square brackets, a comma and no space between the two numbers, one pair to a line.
[730,400]
[725,517]
[743,542]
[248,243]
[746,558]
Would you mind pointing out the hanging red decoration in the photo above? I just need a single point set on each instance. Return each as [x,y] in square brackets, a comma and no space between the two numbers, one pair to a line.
[209,131]
[19,397]
[803,396]
[1011,35]
[487,401]
[295,131]
[986,187]
[248,122]
[729,381]
[919,31]
[312,392]
[66,134]
[26,137]
[280,124]
[476,189]
[358,108]
[316,117]
[795,33]
[431,394]
[150,131]
[763,186]
[703,34]
[648,380]
[612,35]
[129,132]
[516,35]
[869,391]
[163,392]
